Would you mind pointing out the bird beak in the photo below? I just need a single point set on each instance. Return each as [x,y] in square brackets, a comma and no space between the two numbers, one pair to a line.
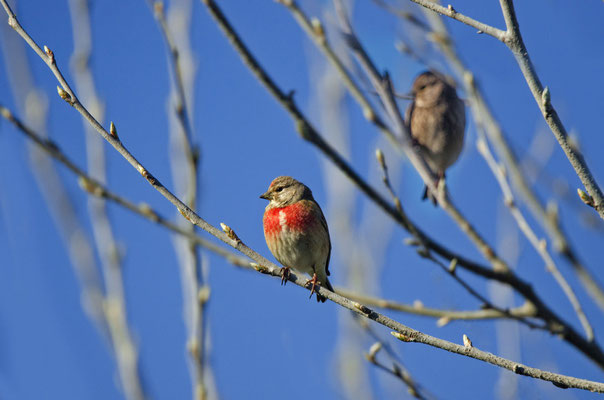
[265,196]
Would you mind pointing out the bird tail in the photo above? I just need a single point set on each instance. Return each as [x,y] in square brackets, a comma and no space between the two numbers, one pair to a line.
[428,194]
[326,285]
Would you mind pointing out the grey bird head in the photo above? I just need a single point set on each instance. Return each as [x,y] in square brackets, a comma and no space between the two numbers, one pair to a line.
[285,190]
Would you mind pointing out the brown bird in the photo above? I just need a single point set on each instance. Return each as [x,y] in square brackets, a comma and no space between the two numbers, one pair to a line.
[296,231]
[436,120]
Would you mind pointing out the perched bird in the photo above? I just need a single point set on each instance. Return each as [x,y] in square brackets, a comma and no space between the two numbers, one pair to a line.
[436,120]
[296,231]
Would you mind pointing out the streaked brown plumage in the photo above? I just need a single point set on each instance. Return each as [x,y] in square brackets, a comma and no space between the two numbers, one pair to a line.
[436,120]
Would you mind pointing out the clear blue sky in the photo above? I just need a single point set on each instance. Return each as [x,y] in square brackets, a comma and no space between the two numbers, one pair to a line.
[268,341]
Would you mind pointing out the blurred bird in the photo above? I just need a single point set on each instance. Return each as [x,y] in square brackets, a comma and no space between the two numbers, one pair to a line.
[296,231]
[436,120]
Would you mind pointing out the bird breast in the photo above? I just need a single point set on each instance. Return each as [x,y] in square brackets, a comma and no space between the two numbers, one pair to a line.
[296,237]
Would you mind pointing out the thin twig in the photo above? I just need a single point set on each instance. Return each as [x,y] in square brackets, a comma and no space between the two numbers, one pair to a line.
[194,290]
[98,189]
[484,117]
[396,370]
[513,40]
[61,206]
[383,86]
[424,252]
[115,310]
[449,11]
[417,308]
[314,29]
[539,245]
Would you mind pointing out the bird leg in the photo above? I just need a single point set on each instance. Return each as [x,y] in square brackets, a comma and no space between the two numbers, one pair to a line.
[439,184]
[314,282]
[284,275]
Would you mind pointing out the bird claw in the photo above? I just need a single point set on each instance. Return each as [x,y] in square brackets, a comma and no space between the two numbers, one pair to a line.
[284,275]
[314,282]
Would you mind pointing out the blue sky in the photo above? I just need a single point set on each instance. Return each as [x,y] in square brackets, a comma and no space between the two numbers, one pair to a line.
[268,341]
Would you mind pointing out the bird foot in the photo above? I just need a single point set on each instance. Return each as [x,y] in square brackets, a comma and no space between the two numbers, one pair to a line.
[284,275]
[439,184]
[313,282]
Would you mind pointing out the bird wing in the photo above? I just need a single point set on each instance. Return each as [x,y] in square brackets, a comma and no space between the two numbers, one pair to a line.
[324,223]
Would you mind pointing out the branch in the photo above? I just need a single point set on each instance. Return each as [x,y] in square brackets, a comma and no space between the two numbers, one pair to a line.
[383,86]
[396,370]
[513,40]
[445,316]
[115,310]
[543,98]
[484,117]
[539,245]
[266,267]
[98,189]
[310,134]
[554,323]
[314,30]
[424,252]
[195,291]
[449,11]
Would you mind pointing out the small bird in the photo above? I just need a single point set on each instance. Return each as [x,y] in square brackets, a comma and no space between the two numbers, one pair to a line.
[296,231]
[436,120]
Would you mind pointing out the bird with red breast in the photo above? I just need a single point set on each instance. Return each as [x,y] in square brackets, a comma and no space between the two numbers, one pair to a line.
[296,231]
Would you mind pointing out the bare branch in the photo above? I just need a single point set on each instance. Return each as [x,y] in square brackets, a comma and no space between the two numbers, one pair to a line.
[449,11]
[264,266]
[513,40]
[539,245]
[396,370]
[543,98]
[445,316]
[115,310]
[383,86]
[555,324]
[191,270]
[484,117]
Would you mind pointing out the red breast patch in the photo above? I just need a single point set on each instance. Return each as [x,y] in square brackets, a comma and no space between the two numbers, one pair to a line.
[298,216]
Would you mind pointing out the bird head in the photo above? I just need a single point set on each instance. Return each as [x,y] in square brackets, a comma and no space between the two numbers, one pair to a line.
[429,88]
[285,190]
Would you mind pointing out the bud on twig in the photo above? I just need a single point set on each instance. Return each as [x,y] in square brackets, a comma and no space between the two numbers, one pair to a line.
[50,54]
[113,130]
[546,97]
[230,233]
[379,155]
[586,198]
[402,337]
[317,28]
[64,95]
[368,114]
[466,341]
[373,350]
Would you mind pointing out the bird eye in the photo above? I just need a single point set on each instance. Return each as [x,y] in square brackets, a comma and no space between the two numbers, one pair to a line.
[279,189]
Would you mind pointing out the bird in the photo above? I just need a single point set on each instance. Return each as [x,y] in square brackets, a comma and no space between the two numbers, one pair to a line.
[296,231]
[436,120]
